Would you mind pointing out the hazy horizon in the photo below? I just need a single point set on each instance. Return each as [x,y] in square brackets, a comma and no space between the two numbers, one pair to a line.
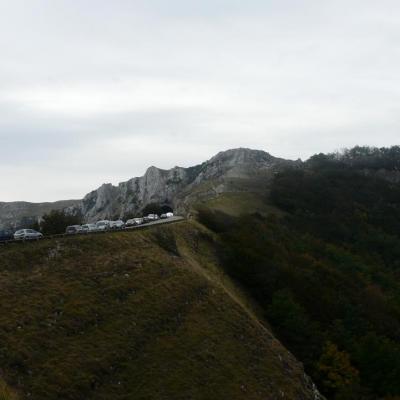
[97,91]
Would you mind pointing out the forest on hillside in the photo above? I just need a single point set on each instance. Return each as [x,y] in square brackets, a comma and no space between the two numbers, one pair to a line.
[327,273]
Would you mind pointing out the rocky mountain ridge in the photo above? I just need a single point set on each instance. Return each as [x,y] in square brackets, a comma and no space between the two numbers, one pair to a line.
[177,188]
[22,213]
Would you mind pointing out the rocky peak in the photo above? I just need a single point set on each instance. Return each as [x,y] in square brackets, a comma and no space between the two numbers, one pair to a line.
[153,172]
[241,155]
[239,163]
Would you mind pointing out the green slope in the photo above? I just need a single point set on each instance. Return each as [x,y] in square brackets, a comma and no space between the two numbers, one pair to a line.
[135,315]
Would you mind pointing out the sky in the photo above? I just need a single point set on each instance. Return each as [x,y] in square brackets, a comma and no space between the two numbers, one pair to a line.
[95,91]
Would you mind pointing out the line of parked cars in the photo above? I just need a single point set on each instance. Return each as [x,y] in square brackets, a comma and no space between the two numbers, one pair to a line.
[103,225]
[106,225]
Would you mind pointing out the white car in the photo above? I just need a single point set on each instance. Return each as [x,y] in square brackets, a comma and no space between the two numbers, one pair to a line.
[134,221]
[130,222]
[152,217]
[167,215]
[88,228]
[27,234]
[117,224]
[102,225]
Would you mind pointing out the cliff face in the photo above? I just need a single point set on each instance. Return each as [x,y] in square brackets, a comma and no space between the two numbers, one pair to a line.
[156,185]
[177,188]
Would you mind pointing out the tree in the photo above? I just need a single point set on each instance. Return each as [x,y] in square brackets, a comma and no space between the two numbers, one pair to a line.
[35,226]
[57,220]
[294,326]
[378,359]
[6,393]
[337,373]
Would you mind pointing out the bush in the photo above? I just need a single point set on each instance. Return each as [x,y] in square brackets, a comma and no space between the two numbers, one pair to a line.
[217,221]
[56,222]
[6,393]
[166,240]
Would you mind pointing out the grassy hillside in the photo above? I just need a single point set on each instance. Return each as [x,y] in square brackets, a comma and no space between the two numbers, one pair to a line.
[135,315]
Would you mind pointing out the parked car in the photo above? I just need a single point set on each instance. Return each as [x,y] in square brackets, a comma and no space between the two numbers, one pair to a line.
[167,215]
[27,234]
[88,228]
[6,235]
[73,229]
[103,225]
[130,222]
[152,217]
[119,224]
[134,222]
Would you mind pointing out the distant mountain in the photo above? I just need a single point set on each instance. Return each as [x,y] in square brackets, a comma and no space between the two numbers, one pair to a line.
[177,188]
[22,213]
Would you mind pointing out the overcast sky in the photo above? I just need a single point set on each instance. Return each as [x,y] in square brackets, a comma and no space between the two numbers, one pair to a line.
[95,91]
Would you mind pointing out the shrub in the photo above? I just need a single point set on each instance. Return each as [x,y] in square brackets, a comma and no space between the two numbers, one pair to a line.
[57,220]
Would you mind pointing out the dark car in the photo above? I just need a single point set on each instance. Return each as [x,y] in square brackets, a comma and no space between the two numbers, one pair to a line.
[6,235]
[71,230]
